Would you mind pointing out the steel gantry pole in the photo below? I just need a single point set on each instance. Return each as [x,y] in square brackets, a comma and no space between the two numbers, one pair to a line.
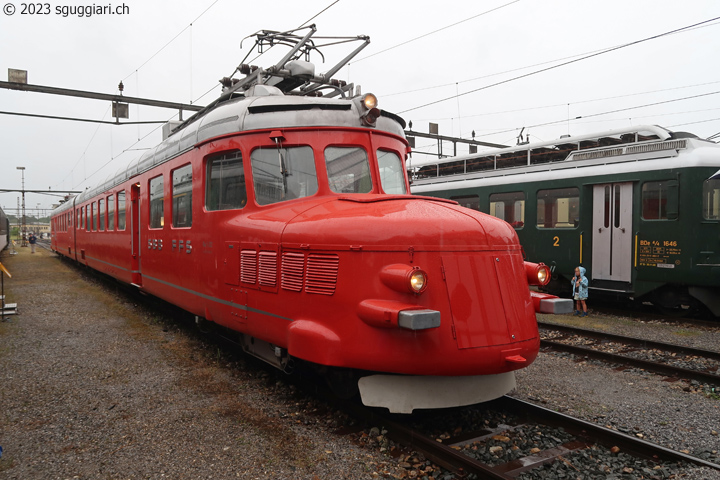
[22,228]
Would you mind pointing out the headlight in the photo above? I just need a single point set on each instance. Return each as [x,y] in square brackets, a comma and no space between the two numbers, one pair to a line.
[537,273]
[404,278]
[418,280]
[370,101]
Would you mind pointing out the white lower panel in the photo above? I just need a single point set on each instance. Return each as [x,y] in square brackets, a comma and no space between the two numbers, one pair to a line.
[404,393]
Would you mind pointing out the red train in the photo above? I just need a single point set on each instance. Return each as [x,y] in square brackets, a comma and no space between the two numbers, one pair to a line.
[287,218]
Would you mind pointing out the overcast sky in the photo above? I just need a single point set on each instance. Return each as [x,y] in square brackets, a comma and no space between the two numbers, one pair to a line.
[486,42]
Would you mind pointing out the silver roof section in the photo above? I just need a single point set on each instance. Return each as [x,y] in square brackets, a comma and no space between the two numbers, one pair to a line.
[645,130]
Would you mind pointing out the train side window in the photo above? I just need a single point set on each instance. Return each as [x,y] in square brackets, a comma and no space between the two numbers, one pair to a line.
[121,209]
[157,202]
[281,174]
[392,176]
[348,170]
[711,199]
[101,214]
[225,182]
[510,207]
[660,200]
[468,201]
[78,220]
[111,212]
[182,197]
[558,208]
[93,215]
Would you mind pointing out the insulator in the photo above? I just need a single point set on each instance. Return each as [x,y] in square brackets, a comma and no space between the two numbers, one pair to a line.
[245,69]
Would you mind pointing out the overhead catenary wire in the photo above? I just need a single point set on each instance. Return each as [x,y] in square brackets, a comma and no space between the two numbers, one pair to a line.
[577,102]
[636,42]
[468,80]
[318,14]
[436,31]
[171,40]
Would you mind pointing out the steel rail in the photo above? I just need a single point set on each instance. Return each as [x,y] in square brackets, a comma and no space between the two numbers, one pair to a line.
[587,433]
[669,370]
[631,340]
[603,435]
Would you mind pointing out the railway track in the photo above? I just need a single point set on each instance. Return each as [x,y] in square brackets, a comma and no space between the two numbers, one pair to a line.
[657,357]
[528,437]
[544,439]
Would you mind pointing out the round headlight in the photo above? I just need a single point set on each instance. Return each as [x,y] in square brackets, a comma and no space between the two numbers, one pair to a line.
[370,101]
[542,275]
[418,281]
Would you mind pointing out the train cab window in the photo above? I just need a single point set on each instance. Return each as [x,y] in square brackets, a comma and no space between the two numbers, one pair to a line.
[121,209]
[510,207]
[101,214]
[711,199]
[660,200]
[225,182]
[93,215]
[111,213]
[348,170]
[182,197]
[281,174]
[157,202]
[392,176]
[558,208]
[468,201]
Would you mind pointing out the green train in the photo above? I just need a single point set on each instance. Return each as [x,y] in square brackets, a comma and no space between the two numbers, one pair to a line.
[638,207]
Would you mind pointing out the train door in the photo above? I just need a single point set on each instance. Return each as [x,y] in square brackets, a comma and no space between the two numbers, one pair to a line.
[135,234]
[612,232]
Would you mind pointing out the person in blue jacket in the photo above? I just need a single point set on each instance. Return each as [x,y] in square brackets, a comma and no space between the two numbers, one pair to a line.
[580,291]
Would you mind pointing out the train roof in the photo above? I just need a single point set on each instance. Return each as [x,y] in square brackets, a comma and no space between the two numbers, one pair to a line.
[623,148]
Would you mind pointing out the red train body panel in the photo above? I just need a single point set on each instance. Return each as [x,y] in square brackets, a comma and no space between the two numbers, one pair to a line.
[291,224]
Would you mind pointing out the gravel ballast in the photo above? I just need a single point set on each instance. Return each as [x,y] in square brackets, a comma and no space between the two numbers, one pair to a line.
[95,387]
[675,414]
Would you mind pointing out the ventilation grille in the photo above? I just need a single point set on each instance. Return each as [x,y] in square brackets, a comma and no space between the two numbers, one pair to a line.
[248,266]
[268,269]
[598,154]
[293,266]
[321,274]
[655,147]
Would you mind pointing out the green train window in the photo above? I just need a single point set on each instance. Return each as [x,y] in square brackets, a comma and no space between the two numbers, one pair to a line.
[468,201]
[558,208]
[660,200]
[711,199]
[509,207]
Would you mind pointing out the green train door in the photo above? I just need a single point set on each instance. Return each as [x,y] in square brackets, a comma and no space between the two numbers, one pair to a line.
[612,232]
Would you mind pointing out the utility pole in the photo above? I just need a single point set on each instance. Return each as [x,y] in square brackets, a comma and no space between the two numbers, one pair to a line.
[22,230]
